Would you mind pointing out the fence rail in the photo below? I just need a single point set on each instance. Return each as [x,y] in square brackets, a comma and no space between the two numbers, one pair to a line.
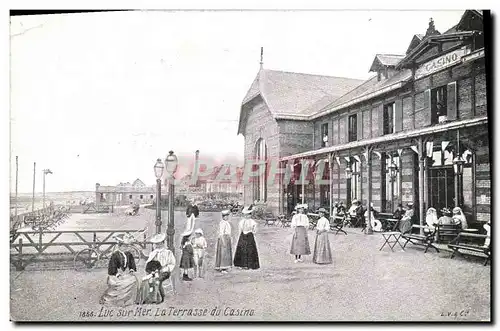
[33,246]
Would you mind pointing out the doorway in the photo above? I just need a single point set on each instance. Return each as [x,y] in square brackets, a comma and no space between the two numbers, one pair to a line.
[441,184]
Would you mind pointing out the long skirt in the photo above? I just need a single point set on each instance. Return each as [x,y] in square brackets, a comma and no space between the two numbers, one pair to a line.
[246,255]
[322,250]
[187,259]
[224,253]
[121,291]
[151,290]
[300,242]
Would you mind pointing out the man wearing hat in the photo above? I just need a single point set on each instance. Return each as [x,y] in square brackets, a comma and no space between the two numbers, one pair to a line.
[322,251]
[300,241]
[224,254]
[246,255]
[122,282]
[159,267]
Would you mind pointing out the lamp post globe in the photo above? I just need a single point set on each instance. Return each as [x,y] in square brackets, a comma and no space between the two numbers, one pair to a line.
[159,167]
[171,163]
[458,165]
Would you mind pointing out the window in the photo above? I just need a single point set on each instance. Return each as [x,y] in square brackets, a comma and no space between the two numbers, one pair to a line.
[438,105]
[389,118]
[141,197]
[324,135]
[151,196]
[260,183]
[130,196]
[390,182]
[355,177]
[353,128]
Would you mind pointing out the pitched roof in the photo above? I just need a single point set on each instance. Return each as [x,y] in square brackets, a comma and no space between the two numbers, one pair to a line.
[415,41]
[386,60]
[291,93]
[368,89]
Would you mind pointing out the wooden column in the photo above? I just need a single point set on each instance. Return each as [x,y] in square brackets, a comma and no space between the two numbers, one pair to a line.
[369,229]
[421,158]
[330,172]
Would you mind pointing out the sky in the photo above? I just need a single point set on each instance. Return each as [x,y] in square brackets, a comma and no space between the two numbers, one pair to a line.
[98,97]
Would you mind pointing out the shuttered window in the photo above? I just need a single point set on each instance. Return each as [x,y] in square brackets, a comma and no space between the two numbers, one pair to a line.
[352,128]
[452,101]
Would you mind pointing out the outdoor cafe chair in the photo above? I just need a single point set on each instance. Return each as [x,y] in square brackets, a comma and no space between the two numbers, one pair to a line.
[405,227]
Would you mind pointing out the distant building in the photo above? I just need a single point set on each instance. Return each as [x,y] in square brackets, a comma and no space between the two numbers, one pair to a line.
[125,193]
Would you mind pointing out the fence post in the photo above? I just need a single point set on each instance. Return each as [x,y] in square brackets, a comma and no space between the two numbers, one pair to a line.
[19,266]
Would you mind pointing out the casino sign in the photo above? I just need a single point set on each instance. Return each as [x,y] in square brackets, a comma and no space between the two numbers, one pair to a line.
[441,62]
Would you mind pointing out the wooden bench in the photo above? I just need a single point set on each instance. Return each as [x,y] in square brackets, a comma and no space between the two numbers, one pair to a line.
[337,224]
[460,243]
[447,232]
[426,239]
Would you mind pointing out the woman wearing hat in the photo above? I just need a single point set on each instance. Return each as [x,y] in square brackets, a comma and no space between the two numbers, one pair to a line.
[246,255]
[122,282]
[459,217]
[224,254]
[159,266]
[300,241]
[322,252]
[199,245]
[446,219]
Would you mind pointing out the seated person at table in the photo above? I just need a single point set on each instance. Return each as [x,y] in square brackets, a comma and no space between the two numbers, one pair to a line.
[459,217]
[376,224]
[487,227]
[353,208]
[399,212]
[431,218]
[409,214]
[446,219]
[341,209]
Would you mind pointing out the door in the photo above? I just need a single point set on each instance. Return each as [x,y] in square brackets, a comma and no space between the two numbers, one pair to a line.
[441,188]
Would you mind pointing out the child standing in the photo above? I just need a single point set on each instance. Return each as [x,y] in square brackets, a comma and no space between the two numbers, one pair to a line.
[199,245]
[187,258]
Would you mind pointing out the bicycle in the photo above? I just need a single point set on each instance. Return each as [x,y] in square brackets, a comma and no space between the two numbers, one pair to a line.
[88,258]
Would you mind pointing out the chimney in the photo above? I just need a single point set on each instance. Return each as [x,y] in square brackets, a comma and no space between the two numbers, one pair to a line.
[262,57]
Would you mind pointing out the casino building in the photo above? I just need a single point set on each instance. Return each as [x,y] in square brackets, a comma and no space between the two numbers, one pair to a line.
[417,131]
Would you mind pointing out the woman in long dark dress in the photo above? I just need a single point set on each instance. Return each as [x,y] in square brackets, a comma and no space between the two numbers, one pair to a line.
[122,282]
[246,255]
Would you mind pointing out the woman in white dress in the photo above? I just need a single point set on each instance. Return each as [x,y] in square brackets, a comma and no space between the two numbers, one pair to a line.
[199,246]
[459,217]
[322,251]
[224,254]
[431,218]
[300,241]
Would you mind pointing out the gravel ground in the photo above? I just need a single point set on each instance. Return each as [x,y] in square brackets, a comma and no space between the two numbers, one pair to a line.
[363,283]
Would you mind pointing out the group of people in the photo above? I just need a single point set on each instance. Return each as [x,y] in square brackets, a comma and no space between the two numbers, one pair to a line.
[300,240]
[455,216]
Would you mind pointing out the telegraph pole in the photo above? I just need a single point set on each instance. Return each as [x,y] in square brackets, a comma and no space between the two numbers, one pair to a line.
[17,168]
[34,175]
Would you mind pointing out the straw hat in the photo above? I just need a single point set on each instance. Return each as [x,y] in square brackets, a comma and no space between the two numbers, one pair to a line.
[322,210]
[225,212]
[158,238]
[247,210]
[200,231]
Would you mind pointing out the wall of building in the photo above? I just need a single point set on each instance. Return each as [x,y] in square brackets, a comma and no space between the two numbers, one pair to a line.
[262,125]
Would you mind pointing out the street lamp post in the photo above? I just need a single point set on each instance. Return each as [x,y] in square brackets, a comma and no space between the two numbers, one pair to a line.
[393,172]
[170,167]
[458,168]
[45,172]
[158,173]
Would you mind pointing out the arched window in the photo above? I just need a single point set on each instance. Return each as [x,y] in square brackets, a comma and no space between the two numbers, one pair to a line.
[260,183]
